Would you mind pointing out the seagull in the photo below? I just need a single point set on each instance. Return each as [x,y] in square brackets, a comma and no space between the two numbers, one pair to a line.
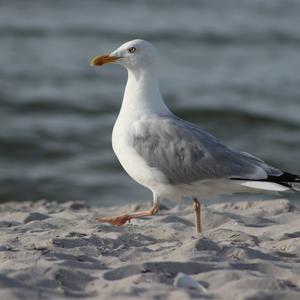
[170,156]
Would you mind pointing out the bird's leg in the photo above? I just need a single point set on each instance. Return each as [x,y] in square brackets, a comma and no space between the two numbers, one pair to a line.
[197,209]
[122,219]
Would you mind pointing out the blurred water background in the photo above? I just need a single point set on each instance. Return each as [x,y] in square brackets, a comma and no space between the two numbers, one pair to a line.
[232,66]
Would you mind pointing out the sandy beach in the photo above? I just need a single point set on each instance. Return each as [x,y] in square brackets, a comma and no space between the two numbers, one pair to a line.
[249,250]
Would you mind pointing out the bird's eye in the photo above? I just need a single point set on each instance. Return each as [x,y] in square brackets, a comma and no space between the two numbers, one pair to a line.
[131,50]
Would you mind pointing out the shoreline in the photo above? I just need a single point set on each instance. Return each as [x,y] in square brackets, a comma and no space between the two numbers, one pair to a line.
[249,250]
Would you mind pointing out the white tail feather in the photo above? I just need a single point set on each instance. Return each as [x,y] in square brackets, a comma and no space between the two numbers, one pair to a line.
[264,185]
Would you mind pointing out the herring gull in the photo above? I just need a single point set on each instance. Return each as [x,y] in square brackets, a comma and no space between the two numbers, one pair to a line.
[170,156]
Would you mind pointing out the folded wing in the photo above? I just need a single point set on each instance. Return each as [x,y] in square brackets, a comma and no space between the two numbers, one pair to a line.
[186,154]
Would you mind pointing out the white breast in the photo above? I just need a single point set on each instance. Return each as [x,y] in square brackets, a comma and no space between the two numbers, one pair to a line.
[133,164]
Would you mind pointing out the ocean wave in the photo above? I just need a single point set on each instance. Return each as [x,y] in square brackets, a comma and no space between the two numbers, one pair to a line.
[208,37]
[237,116]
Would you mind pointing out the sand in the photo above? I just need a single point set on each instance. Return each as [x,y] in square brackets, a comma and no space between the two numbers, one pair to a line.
[249,250]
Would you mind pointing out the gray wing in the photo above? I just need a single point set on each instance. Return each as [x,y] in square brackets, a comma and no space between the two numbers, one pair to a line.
[185,154]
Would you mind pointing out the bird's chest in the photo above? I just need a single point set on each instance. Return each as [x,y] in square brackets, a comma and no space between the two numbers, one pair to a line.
[121,140]
[122,145]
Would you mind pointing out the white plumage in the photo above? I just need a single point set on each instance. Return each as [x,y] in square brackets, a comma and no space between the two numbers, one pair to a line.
[172,157]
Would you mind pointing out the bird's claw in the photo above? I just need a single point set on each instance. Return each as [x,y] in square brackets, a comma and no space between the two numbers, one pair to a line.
[116,221]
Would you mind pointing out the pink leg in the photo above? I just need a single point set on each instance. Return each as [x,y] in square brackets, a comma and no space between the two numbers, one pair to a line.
[122,219]
[197,209]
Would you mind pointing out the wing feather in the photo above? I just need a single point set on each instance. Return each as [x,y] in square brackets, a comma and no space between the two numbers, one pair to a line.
[186,154]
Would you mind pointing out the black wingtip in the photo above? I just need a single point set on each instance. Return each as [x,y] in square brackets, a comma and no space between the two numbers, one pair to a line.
[284,177]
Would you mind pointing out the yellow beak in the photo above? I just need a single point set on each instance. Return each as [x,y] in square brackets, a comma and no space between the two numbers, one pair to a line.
[103,59]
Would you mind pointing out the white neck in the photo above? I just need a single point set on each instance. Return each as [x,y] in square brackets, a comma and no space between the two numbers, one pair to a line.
[142,95]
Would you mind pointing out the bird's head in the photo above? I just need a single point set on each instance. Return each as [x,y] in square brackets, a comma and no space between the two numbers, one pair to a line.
[133,55]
